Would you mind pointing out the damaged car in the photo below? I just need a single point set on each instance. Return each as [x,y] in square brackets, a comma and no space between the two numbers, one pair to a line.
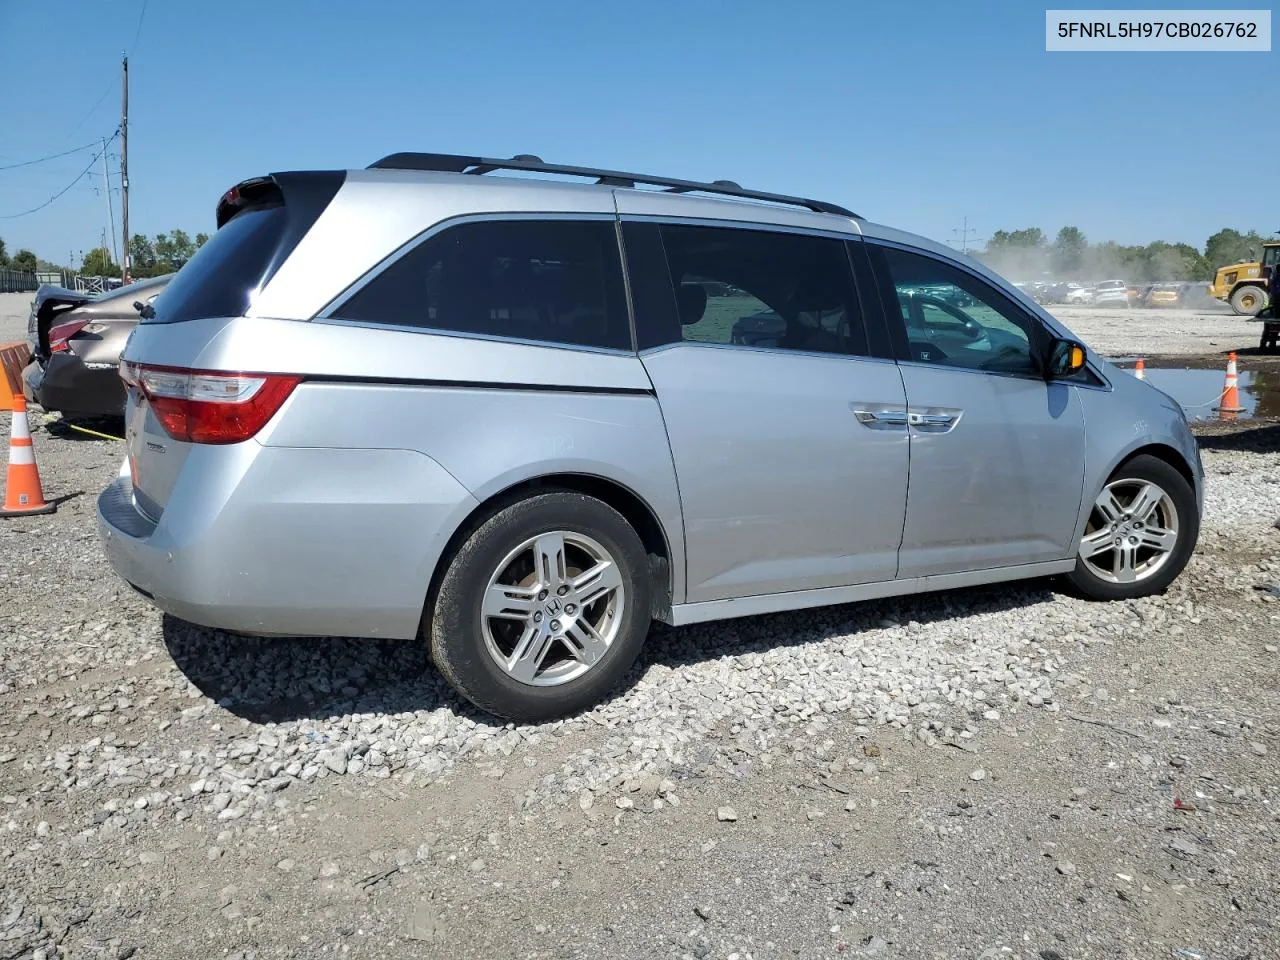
[76,339]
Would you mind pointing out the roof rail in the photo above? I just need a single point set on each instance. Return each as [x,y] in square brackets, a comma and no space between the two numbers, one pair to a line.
[456,163]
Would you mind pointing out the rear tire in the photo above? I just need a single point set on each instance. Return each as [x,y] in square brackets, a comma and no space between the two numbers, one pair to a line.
[1140,533]
[1248,301]
[543,608]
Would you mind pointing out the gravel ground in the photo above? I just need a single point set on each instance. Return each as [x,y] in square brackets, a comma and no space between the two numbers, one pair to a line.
[1144,333]
[997,773]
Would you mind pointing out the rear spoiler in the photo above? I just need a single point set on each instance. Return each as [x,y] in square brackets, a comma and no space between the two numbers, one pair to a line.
[252,194]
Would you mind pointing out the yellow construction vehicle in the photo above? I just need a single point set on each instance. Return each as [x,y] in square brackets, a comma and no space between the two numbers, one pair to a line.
[1244,285]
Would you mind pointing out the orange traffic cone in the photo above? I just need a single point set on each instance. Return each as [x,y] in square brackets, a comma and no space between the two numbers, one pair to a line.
[1140,369]
[1231,390]
[22,493]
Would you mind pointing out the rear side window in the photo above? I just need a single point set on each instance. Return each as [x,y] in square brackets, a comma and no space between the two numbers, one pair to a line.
[755,288]
[245,252]
[554,280]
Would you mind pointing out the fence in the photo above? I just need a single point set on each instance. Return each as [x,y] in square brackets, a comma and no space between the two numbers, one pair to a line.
[21,281]
[17,281]
[67,279]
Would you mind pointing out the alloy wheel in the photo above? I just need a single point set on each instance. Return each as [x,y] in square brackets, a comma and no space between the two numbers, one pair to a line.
[552,608]
[1132,531]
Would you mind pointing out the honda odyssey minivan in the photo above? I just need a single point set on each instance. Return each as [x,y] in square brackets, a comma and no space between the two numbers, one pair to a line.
[521,418]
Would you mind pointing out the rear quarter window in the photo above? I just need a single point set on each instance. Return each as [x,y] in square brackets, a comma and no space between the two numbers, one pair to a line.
[558,281]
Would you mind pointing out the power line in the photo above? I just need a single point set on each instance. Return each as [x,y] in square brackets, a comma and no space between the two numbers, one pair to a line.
[97,103]
[52,156]
[83,173]
[136,33]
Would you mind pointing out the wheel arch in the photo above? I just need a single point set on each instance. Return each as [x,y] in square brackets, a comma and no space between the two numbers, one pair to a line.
[1165,452]
[1170,455]
[633,508]
[1258,282]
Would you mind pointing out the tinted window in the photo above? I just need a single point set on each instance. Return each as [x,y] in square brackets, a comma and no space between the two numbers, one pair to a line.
[760,289]
[218,280]
[555,280]
[954,319]
[244,253]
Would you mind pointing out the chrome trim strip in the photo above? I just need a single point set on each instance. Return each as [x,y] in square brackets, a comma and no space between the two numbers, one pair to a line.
[438,383]
[492,338]
[685,613]
[759,226]
[1034,378]
[742,347]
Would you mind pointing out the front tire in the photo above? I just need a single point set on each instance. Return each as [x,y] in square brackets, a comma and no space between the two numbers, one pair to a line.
[543,608]
[1248,301]
[1140,533]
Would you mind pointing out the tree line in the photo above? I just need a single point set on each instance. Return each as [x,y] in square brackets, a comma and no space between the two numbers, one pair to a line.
[163,253]
[149,256]
[1029,254]
[22,260]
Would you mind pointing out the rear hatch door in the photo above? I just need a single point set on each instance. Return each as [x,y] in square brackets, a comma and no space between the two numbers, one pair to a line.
[260,222]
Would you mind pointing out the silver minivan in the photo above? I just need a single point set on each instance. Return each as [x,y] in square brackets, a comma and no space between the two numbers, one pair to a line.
[521,418]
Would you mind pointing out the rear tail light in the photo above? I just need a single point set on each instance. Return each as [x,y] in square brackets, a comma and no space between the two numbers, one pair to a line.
[208,406]
[60,334]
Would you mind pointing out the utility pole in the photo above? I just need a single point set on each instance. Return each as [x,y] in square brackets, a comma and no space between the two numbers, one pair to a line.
[964,235]
[111,213]
[124,169]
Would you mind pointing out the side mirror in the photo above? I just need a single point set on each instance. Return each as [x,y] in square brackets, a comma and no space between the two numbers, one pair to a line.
[1066,358]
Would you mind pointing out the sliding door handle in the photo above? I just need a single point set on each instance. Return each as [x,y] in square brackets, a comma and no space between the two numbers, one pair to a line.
[879,417]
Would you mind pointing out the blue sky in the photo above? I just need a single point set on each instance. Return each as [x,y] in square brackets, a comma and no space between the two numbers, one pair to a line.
[914,114]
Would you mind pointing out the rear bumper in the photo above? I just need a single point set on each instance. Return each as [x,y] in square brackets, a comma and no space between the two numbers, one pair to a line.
[66,384]
[287,541]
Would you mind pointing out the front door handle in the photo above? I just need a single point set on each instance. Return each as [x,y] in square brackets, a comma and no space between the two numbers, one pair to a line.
[934,419]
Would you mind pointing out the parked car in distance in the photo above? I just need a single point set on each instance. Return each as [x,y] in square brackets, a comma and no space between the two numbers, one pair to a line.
[1057,292]
[520,419]
[1197,295]
[1111,293]
[76,340]
[1080,295]
[1165,295]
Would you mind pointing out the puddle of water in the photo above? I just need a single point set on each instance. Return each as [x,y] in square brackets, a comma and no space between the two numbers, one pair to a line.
[1199,391]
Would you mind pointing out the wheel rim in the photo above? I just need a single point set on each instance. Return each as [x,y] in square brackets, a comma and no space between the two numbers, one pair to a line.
[552,608]
[1132,531]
